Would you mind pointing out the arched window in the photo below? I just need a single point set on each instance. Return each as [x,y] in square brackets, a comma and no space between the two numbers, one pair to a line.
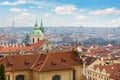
[20,77]
[33,40]
[56,77]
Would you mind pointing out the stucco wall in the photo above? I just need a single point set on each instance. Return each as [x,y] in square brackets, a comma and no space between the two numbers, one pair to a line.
[27,74]
[64,75]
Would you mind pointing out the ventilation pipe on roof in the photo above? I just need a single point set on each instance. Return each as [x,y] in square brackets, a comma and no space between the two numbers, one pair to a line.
[10,44]
[23,44]
[112,67]
[6,45]
[3,45]
[20,45]
[16,44]
[13,45]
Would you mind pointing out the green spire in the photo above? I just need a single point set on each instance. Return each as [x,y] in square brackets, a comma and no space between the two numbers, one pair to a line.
[36,25]
[41,27]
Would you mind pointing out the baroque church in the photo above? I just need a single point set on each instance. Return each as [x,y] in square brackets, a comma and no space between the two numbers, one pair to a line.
[37,33]
[39,62]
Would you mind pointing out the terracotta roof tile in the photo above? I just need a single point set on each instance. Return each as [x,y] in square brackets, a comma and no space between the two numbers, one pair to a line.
[41,62]
[60,60]
[90,60]
[38,44]
[113,70]
[27,48]
[19,62]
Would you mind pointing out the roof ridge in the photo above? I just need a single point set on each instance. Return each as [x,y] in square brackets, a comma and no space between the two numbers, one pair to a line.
[35,61]
[43,63]
[56,60]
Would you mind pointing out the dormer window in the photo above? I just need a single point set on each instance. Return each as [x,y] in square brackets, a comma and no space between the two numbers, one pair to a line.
[63,60]
[9,64]
[53,64]
[26,63]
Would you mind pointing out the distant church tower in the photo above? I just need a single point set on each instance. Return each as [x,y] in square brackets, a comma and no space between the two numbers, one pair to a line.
[37,33]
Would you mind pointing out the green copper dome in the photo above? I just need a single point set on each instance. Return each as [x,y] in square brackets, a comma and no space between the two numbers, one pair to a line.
[34,32]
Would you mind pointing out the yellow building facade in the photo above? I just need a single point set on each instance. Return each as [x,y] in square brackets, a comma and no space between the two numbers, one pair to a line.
[50,66]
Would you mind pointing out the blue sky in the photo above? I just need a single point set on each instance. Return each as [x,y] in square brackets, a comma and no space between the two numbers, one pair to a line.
[88,13]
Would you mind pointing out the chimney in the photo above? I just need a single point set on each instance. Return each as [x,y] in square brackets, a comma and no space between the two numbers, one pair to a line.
[16,44]
[10,44]
[23,44]
[20,45]
[112,67]
[6,45]
[13,45]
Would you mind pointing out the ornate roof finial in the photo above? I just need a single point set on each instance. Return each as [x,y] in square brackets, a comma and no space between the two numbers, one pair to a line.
[41,26]
[41,23]
[36,25]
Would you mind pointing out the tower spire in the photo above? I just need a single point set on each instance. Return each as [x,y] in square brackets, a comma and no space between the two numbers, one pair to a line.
[41,23]
[41,26]
[36,25]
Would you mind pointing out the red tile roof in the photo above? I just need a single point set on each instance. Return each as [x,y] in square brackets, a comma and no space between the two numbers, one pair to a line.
[113,70]
[89,60]
[26,48]
[41,62]
[38,44]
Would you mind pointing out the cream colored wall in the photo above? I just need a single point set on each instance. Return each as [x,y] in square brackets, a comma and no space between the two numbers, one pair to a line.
[41,37]
[79,73]
[97,62]
[36,75]
[117,61]
[97,74]
[27,74]
[64,75]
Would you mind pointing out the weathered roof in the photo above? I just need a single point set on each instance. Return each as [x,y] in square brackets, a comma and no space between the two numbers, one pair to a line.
[113,70]
[41,62]
[18,48]
[90,60]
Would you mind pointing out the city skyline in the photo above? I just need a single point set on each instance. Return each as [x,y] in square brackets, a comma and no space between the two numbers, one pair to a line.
[92,13]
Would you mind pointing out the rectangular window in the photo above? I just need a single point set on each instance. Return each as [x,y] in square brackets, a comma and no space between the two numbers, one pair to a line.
[73,74]
[8,77]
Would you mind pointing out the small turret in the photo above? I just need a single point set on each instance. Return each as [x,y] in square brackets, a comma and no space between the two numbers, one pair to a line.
[41,27]
[36,26]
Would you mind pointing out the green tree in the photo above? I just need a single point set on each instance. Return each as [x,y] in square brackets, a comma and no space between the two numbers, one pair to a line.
[2,72]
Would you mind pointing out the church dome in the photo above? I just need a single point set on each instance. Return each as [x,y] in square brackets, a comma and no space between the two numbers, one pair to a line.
[34,32]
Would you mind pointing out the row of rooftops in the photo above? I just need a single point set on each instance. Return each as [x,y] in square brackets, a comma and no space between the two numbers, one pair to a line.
[12,45]
[112,70]
[17,47]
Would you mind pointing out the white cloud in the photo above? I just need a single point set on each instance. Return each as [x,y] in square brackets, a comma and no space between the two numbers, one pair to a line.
[32,7]
[25,19]
[116,21]
[18,10]
[81,17]
[68,9]
[14,3]
[104,12]
[81,10]
[47,15]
